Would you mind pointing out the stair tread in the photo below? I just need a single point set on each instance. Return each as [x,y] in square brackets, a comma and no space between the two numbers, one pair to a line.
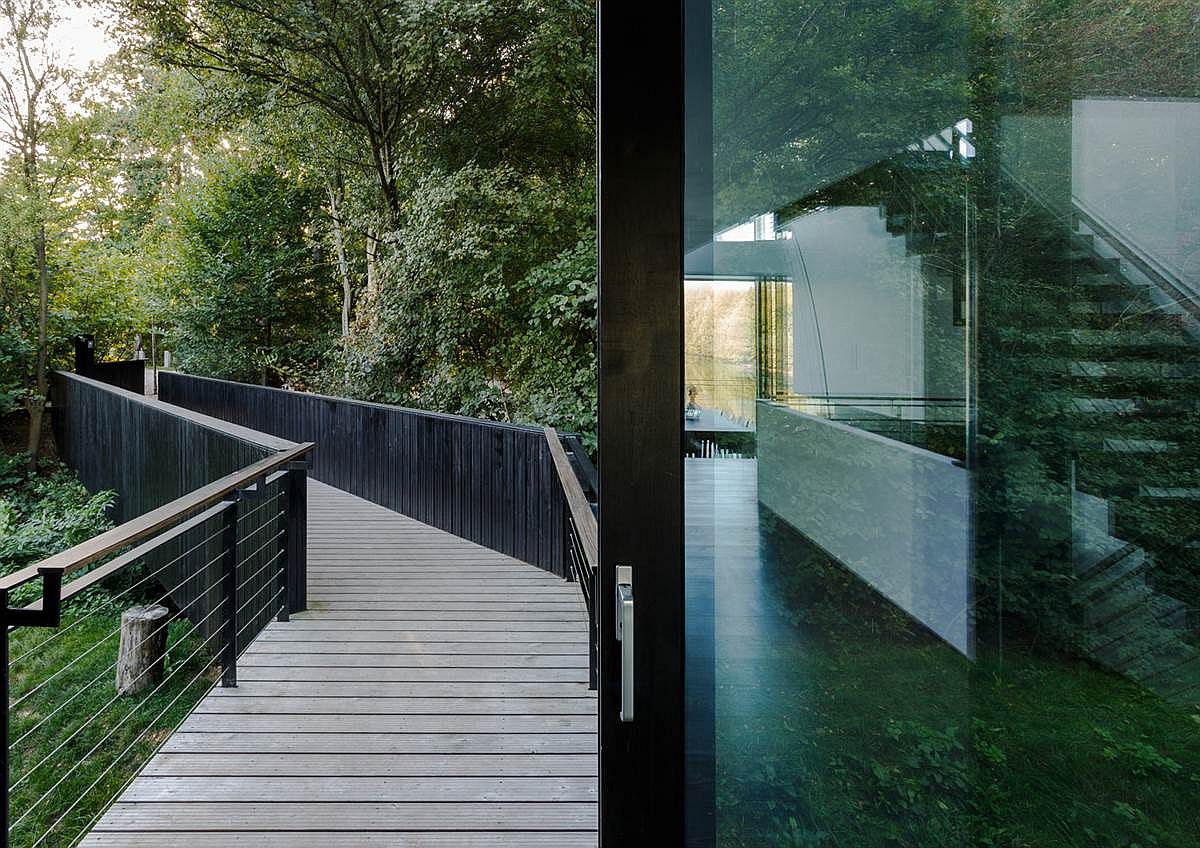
[1140,446]
[1136,369]
[1170,492]
[1107,572]
[1129,337]
[1119,406]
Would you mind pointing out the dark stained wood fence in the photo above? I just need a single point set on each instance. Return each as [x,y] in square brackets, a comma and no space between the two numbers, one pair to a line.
[147,452]
[151,453]
[128,374]
[489,482]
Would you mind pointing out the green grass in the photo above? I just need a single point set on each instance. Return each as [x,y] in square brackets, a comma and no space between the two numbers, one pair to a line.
[847,727]
[86,743]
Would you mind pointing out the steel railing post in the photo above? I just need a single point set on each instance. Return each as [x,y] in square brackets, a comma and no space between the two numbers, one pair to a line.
[594,635]
[4,724]
[297,538]
[284,554]
[568,551]
[229,593]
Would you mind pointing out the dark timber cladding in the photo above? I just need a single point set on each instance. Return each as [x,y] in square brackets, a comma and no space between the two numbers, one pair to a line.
[148,451]
[151,453]
[129,374]
[491,483]
[435,695]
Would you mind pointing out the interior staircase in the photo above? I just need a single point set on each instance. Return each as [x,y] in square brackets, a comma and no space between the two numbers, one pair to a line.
[1121,363]
[1131,365]
[1115,360]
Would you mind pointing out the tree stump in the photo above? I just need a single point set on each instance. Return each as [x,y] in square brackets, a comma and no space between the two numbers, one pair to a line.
[143,650]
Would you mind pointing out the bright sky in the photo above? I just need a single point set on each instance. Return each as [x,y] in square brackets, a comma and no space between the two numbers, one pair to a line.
[78,39]
[81,36]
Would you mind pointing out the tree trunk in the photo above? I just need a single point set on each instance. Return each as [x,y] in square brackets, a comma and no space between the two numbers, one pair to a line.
[262,370]
[143,651]
[372,262]
[37,403]
[339,246]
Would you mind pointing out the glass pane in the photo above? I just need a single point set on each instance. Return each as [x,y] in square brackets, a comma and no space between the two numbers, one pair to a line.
[941,406]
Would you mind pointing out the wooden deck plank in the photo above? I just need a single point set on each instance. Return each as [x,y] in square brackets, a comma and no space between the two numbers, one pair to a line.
[346,689]
[372,765]
[434,695]
[367,790]
[384,647]
[272,674]
[324,723]
[417,605]
[442,744]
[425,637]
[420,625]
[355,817]
[325,839]
[442,615]
[333,659]
[293,705]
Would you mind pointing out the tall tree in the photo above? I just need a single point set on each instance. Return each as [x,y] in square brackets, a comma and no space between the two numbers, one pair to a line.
[257,306]
[386,69]
[29,98]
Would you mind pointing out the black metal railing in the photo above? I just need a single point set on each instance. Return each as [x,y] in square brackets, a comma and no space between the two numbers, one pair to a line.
[577,481]
[209,569]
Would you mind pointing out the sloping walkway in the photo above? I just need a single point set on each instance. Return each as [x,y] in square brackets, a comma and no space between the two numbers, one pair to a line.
[434,695]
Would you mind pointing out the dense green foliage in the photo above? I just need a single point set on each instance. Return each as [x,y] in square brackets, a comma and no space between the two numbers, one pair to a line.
[298,194]
[43,513]
[488,308]
[74,743]
[872,732]
[253,298]
[852,78]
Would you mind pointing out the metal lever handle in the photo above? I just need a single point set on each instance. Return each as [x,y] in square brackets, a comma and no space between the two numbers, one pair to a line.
[625,637]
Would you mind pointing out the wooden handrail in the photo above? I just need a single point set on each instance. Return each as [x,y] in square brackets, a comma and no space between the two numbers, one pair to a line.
[581,511]
[103,572]
[85,553]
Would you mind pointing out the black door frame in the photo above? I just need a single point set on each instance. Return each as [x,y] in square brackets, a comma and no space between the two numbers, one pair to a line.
[640,225]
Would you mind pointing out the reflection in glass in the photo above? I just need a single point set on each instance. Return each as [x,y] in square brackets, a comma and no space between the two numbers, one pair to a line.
[943,493]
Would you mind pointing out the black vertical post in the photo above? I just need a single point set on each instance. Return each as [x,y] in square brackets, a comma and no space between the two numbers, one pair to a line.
[85,354]
[297,539]
[640,221]
[229,593]
[568,549]
[4,684]
[281,571]
[594,633]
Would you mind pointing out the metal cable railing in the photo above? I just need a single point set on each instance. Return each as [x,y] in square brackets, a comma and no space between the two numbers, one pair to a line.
[88,705]
[581,532]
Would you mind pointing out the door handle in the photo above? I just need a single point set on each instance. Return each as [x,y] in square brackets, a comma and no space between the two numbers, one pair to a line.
[625,637]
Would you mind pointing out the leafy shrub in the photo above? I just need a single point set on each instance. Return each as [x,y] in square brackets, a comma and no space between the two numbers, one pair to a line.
[1142,758]
[44,513]
[14,362]
[259,307]
[486,305]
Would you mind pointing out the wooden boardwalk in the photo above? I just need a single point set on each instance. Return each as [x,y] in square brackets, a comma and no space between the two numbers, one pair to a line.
[435,695]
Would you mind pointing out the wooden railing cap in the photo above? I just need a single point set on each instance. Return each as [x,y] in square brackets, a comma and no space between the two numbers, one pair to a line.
[581,511]
[85,553]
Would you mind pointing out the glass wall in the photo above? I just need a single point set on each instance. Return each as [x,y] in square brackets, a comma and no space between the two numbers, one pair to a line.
[943,282]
